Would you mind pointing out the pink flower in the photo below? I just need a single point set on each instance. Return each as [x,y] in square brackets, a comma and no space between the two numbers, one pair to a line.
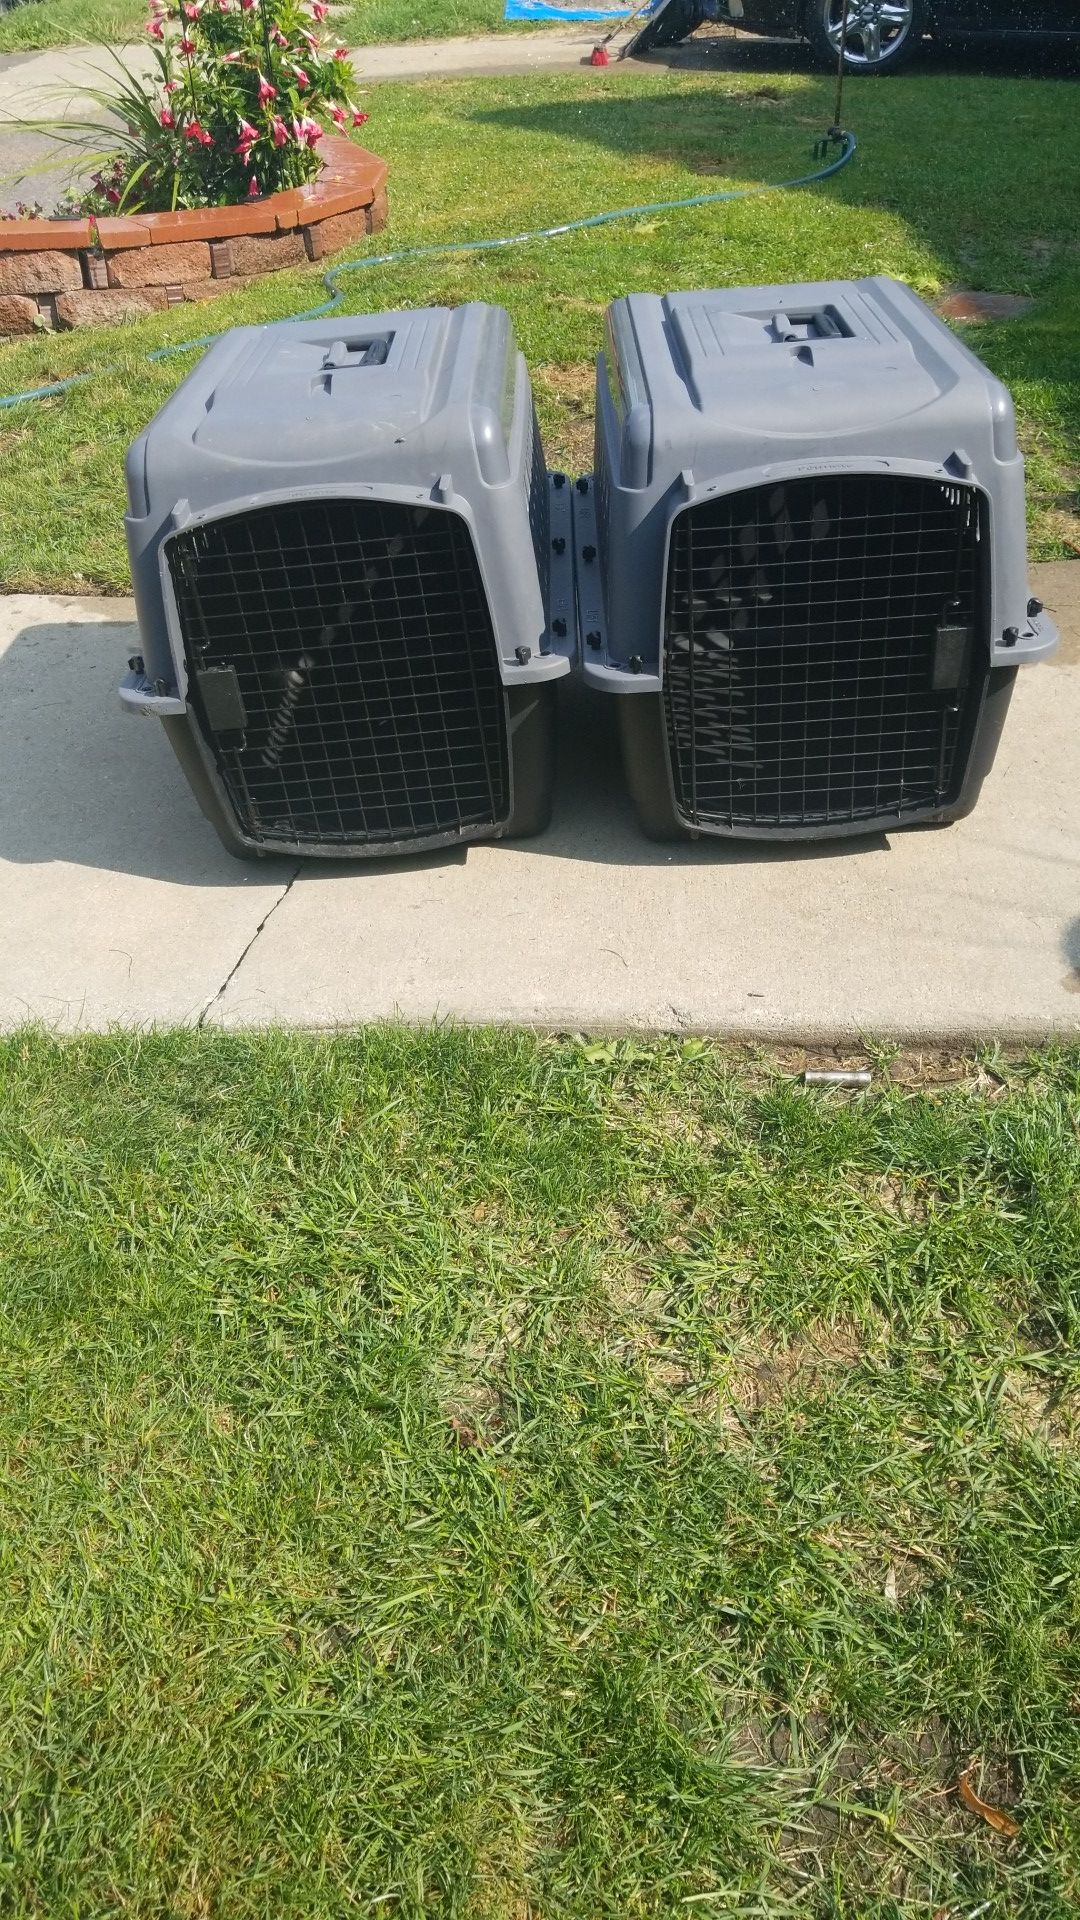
[278,38]
[279,130]
[302,80]
[155,29]
[306,132]
[337,115]
[172,86]
[192,9]
[193,131]
[246,5]
[341,53]
[230,59]
[187,45]
[266,91]
[167,117]
[253,188]
[319,9]
[112,195]
[310,40]
[360,119]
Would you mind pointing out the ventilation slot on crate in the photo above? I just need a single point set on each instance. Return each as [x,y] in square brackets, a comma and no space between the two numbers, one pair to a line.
[343,671]
[539,507]
[825,651]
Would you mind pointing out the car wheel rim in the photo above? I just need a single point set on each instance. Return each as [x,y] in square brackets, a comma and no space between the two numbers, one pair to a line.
[876,29]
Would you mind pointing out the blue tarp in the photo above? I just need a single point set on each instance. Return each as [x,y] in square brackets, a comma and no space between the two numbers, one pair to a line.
[542,10]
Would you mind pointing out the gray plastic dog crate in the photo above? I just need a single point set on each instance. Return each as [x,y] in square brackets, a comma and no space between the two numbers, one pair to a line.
[352,606]
[801,560]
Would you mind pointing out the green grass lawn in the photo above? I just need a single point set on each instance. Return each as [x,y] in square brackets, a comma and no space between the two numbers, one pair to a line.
[61,23]
[970,181]
[492,1477]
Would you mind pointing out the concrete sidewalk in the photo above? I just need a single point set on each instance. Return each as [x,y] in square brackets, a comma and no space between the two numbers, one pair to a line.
[119,905]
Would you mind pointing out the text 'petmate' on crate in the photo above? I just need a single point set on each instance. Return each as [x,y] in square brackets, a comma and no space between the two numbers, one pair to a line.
[801,560]
[352,606]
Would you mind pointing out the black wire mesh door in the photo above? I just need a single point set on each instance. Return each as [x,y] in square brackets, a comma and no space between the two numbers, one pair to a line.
[343,670]
[825,650]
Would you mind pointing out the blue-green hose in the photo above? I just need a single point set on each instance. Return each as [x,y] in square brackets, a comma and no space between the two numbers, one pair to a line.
[337,293]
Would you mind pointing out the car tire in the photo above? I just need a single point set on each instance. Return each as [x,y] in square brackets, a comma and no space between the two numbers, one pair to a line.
[820,29]
[666,28]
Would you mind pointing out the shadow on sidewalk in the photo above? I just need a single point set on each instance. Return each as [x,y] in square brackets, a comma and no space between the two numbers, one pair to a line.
[85,783]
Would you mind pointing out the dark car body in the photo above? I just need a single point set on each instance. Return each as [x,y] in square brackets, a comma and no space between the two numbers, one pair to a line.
[964,19]
[885,46]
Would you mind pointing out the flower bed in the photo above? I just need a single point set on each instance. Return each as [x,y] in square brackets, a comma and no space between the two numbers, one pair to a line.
[72,273]
[224,165]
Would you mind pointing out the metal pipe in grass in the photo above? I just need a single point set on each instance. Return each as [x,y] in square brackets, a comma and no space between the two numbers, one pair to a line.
[837,1077]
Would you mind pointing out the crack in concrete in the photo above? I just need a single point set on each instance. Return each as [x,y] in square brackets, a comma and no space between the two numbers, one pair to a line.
[235,968]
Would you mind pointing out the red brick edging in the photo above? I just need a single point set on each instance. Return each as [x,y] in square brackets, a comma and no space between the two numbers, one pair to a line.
[51,274]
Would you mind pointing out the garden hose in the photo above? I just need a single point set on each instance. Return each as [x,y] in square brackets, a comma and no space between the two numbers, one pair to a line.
[845,141]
